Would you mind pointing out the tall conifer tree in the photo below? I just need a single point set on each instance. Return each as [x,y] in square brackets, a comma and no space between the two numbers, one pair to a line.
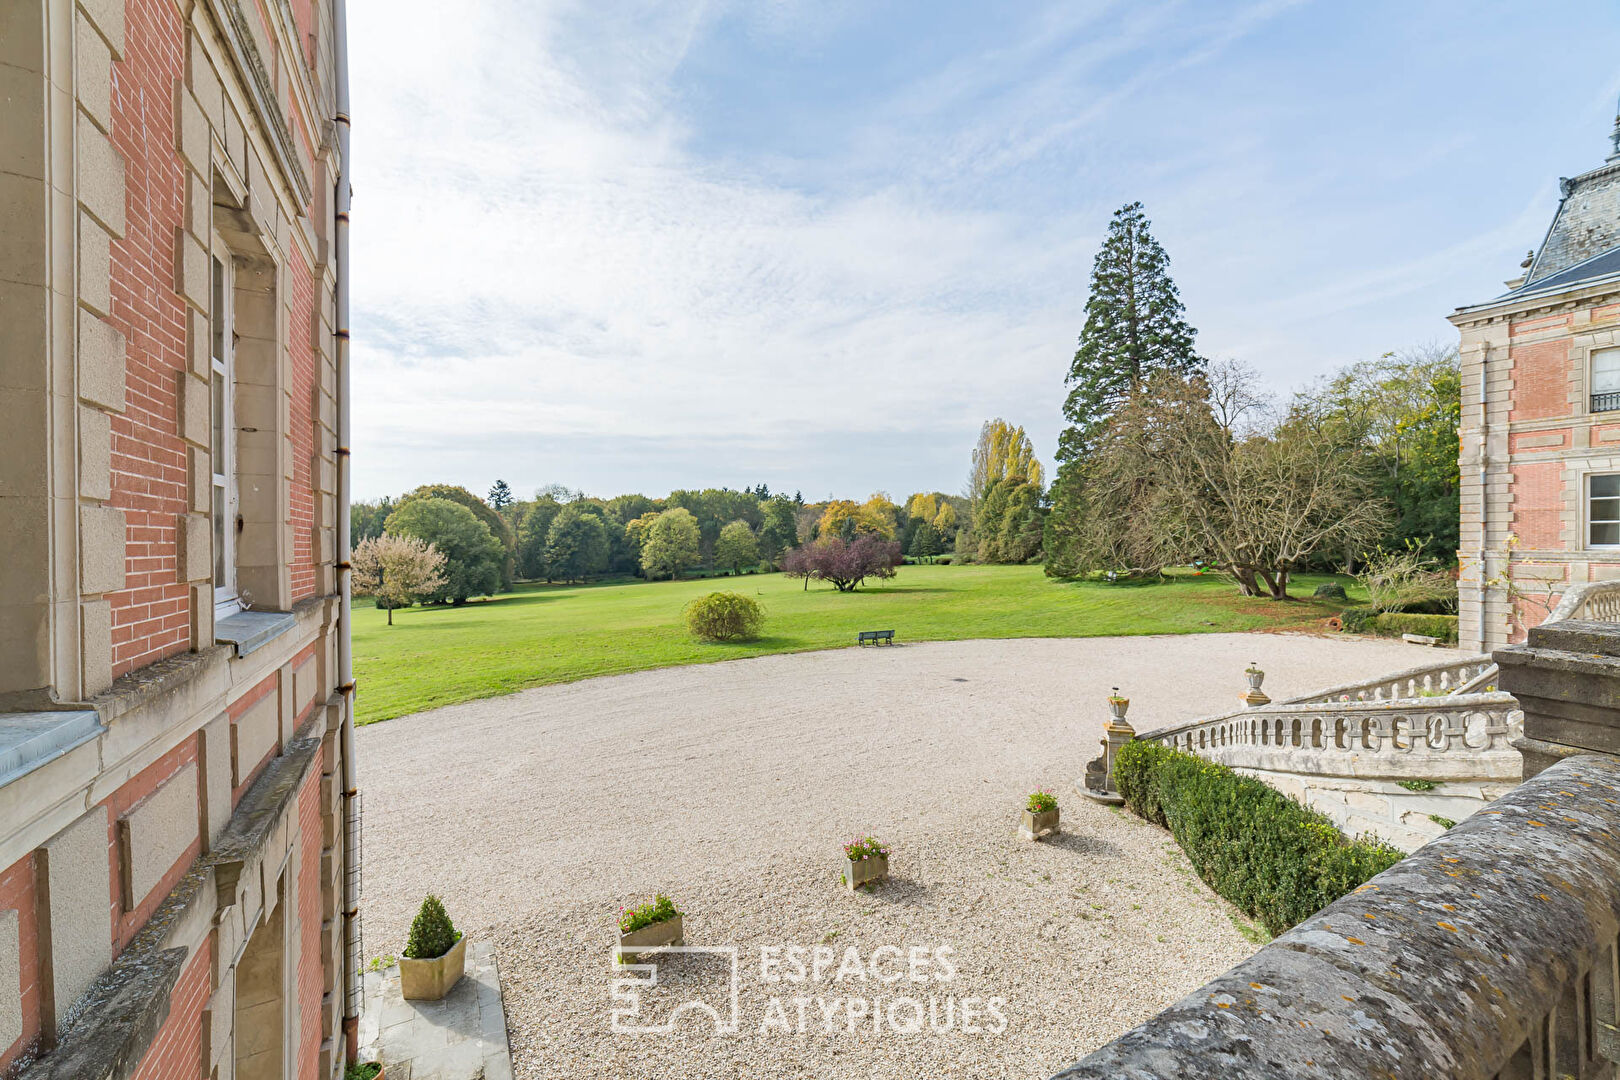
[1134,327]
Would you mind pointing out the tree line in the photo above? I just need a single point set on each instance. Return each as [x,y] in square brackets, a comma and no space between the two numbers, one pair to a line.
[563,535]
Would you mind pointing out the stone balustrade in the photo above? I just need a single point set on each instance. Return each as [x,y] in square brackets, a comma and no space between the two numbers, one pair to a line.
[1592,601]
[1358,738]
[1445,677]
[1489,954]
[1402,756]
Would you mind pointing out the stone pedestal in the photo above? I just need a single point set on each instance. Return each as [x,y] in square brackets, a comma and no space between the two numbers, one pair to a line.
[1566,678]
[1099,781]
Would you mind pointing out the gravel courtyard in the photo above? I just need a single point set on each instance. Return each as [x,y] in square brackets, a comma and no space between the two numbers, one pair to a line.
[731,786]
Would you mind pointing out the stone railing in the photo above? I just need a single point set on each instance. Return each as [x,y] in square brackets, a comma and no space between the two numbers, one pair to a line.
[1489,954]
[1403,756]
[1444,677]
[1593,601]
[1357,738]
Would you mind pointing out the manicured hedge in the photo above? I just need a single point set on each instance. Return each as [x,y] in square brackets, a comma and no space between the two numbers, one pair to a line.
[1363,620]
[1396,623]
[1276,860]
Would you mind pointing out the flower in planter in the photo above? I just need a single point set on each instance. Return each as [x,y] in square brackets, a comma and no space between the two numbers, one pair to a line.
[659,909]
[861,848]
[1041,801]
[432,933]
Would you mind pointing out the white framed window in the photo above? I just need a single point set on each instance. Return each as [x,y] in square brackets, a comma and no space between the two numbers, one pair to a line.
[1603,510]
[1605,380]
[222,449]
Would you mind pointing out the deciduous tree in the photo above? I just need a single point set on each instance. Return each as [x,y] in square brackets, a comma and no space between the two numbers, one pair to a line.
[472,555]
[498,527]
[1169,484]
[778,528]
[1002,451]
[845,565]
[533,535]
[672,544]
[736,547]
[397,570]
[576,543]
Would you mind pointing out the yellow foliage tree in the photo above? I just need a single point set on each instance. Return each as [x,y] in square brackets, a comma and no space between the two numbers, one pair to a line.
[846,519]
[923,506]
[1002,451]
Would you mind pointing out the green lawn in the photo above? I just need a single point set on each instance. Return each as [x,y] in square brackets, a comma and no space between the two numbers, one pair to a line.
[548,634]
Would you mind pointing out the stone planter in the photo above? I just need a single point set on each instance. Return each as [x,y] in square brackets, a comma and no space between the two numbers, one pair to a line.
[866,871]
[668,932]
[1118,708]
[430,980]
[1037,825]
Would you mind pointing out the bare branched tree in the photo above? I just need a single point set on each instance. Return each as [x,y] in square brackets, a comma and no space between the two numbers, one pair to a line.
[1178,478]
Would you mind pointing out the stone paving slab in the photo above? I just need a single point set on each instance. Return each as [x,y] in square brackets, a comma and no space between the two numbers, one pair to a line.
[462,1037]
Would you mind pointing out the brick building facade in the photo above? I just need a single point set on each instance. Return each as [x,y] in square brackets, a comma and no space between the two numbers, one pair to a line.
[1540,438]
[177,890]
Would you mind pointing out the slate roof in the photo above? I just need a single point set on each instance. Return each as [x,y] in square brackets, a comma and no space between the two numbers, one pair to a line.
[1598,266]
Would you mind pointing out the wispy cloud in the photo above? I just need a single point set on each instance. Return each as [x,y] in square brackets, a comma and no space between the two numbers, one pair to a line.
[566,270]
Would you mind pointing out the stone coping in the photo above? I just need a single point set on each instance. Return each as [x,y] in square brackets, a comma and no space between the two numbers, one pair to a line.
[1449,963]
[31,739]
[249,631]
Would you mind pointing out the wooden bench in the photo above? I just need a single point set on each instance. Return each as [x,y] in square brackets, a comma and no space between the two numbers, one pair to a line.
[875,637]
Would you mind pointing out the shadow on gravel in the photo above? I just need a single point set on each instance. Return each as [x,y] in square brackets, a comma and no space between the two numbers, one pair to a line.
[1081,844]
[902,892]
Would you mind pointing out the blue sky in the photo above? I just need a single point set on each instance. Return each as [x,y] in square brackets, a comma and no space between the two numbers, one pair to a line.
[633,247]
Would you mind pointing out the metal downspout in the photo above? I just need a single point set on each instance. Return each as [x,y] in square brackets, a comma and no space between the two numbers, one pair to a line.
[351,809]
[1484,495]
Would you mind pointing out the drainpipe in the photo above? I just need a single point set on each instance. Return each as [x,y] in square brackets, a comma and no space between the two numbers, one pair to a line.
[351,806]
[1484,496]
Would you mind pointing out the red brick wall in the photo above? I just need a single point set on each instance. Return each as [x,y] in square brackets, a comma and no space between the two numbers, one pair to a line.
[1540,380]
[311,979]
[301,293]
[149,617]
[17,894]
[1538,500]
[126,924]
[177,1052]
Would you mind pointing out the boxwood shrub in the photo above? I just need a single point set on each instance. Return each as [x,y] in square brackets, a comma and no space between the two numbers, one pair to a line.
[1396,623]
[1364,620]
[1277,861]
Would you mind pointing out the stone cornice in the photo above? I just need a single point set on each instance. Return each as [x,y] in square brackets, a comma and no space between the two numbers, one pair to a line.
[238,38]
[1590,294]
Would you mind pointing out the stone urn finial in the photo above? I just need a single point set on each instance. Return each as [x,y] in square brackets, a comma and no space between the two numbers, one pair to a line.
[1117,705]
[1255,696]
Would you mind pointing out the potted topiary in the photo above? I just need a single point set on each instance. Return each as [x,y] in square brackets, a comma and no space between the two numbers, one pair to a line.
[364,1070]
[868,862]
[654,923]
[435,955]
[1040,815]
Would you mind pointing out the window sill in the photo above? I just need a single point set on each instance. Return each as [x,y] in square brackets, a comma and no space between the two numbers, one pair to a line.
[29,740]
[249,631]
